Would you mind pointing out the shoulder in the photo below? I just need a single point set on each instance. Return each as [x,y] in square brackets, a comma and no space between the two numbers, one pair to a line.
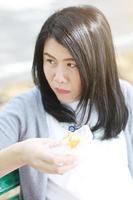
[126,86]
[127,90]
[30,95]
[25,101]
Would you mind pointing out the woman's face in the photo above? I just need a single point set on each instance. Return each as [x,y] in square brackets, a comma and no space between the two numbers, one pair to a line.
[61,72]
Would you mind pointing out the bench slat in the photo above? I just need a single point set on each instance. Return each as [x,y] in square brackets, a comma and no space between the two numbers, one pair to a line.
[15,198]
[9,182]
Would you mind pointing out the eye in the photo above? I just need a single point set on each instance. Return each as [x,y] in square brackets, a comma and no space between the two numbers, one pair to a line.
[72,65]
[50,61]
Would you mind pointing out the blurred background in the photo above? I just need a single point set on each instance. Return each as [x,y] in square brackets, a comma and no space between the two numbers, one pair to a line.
[20,22]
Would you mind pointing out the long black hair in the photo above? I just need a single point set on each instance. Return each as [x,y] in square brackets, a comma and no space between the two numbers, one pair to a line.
[85,32]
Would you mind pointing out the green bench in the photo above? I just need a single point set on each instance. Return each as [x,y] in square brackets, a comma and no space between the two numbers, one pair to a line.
[7,183]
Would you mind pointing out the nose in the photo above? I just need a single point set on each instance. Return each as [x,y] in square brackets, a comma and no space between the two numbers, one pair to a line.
[60,75]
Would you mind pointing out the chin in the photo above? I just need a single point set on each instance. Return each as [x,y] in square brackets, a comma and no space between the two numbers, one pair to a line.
[65,100]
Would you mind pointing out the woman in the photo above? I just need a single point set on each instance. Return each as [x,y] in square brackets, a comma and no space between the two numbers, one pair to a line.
[75,73]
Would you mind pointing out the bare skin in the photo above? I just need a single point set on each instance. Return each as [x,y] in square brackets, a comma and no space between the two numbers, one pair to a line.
[34,152]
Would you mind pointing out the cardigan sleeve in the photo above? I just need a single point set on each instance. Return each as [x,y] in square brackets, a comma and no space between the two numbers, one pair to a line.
[12,121]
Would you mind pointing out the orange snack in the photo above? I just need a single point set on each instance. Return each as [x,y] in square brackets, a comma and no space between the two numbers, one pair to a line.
[71,139]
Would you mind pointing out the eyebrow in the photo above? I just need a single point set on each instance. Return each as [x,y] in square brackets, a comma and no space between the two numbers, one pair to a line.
[66,59]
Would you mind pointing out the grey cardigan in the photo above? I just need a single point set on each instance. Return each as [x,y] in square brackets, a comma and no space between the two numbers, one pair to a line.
[24,117]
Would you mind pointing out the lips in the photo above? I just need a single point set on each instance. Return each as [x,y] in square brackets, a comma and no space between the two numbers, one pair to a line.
[62,91]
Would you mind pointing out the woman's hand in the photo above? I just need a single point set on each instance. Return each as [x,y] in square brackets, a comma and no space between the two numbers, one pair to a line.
[36,153]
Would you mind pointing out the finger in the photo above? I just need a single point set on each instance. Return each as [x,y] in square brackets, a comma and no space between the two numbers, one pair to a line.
[56,159]
[55,143]
[65,168]
[44,167]
[48,142]
[66,159]
[51,169]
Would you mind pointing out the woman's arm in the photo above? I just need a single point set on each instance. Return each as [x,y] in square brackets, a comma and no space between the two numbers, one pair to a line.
[36,153]
[10,159]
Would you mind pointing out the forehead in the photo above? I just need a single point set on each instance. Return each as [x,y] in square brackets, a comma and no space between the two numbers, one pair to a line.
[55,49]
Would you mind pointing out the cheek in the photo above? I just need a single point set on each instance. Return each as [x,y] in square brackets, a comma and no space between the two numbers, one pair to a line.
[77,83]
[79,86]
[47,73]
